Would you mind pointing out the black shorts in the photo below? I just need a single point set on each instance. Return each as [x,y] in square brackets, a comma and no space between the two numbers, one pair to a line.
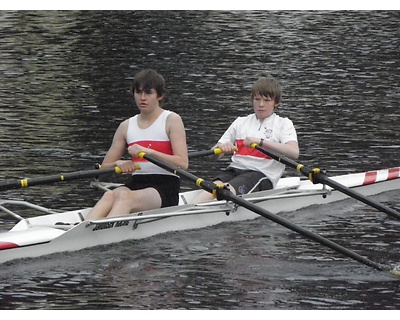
[244,181]
[168,186]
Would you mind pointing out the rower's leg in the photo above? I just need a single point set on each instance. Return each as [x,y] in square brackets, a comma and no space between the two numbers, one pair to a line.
[102,207]
[128,201]
[122,201]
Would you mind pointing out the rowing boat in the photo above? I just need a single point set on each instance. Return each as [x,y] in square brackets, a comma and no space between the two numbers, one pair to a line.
[44,235]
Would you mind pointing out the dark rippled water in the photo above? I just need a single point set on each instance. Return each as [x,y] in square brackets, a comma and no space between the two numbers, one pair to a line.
[64,88]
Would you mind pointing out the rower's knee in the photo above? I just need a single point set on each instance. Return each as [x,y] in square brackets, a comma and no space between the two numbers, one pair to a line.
[121,194]
[109,196]
[116,195]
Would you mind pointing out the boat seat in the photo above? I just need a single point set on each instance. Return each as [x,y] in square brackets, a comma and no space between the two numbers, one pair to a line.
[292,182]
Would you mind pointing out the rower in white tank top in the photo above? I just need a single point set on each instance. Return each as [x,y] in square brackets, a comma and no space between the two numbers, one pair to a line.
[154,137]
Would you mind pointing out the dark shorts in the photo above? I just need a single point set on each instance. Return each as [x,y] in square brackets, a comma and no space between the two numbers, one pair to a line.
[168,186]
[244,181]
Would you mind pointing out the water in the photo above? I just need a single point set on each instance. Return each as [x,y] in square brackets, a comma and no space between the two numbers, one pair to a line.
[65,86]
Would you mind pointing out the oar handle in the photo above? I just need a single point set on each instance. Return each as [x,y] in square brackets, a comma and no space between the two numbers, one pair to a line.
[204,153]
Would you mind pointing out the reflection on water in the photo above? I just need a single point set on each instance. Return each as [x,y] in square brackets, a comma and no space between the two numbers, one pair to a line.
[65,86]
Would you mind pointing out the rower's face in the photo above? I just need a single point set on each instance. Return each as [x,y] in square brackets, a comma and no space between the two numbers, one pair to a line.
[263,106]
[147,99]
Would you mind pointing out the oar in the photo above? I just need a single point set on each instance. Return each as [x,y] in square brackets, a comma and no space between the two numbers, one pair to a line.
[203,153]
[15,184]
[224,194]
[316,176]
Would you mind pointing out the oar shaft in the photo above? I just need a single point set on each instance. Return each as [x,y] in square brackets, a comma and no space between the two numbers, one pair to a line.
[306,233]
[227,195]
[180,172]
[287,161]
[358,196]
[24,183]
[204,153]
[316,176]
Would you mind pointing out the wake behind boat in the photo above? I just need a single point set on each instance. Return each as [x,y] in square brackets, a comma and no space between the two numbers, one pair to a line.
[43,235]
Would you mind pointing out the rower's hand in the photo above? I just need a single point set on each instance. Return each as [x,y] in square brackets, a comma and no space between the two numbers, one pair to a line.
[227,148]
[249,141]
[135,149]
[127,166]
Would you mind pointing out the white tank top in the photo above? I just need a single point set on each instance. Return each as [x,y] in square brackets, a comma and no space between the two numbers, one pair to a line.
[154,137]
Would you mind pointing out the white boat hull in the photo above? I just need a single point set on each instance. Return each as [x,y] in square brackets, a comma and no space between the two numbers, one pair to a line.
[39,236]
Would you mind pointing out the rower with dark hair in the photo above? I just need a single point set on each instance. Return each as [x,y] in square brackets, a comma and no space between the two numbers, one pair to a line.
[157,132]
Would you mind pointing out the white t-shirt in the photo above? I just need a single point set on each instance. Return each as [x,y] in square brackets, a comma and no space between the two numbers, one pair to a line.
[274,128]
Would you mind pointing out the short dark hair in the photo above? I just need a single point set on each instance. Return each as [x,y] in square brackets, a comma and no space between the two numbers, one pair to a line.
[149,79]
